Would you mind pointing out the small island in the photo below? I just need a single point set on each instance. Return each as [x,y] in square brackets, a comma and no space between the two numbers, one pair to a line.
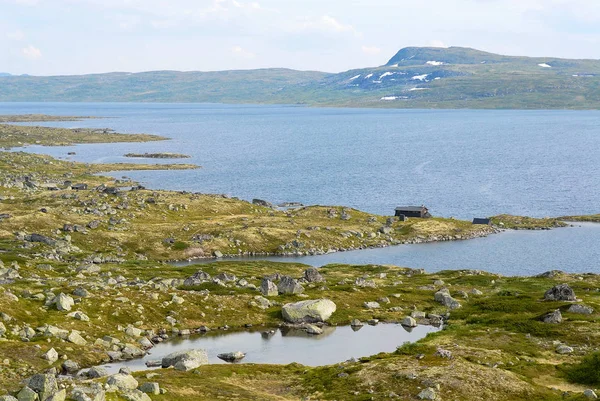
[166,155]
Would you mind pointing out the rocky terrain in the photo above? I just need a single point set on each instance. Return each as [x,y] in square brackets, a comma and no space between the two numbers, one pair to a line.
[84,281]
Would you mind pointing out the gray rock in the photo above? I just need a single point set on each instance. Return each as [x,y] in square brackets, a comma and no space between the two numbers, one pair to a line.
[44,385]
[589,393]
[196,279]
[268,288]
[185,360]
[564,349]
[312,329]
[445,299]
[262,302]
[371,305]
[51,356]
[27,394]
[363,283]
[561,292]
[7,398]
[63,302]
[409,322]
[581,309]
[70,367]
[309,311]
[356,323]
[122,382]
[135,395]
[312,275]
[288,285]
[60,395]
[150,388]
[553,317]
[96,372]
[232,356]
[428,394]
[75,338]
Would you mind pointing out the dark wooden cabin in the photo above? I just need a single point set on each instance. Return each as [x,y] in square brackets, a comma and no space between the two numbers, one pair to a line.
[412,211]
[482,221]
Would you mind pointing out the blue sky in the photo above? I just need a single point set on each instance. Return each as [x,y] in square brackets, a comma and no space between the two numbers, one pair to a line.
[54,37]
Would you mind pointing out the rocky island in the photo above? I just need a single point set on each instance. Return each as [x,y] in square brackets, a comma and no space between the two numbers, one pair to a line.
[84,281]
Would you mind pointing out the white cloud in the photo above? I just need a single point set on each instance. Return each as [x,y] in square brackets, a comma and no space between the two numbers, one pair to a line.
[16,35]
[371,50]
[32,53]
[241,52]
[325,23]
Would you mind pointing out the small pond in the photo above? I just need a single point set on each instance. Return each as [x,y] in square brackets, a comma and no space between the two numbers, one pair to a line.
[284,346]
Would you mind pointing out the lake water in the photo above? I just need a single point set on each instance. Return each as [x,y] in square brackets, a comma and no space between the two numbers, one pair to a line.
[336,344]
[461,163]
[510,253]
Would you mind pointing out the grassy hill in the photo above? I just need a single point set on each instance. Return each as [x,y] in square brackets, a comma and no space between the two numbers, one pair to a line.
[415,77]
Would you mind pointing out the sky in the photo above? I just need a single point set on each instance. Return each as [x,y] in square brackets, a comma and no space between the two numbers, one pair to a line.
[65,37]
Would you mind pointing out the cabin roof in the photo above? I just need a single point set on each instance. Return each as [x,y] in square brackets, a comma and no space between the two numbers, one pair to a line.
[411,208]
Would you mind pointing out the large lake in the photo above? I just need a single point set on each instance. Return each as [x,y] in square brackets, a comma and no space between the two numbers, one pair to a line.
[461,163]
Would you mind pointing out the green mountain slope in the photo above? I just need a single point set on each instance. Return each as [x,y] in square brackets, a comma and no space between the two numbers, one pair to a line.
[415,77]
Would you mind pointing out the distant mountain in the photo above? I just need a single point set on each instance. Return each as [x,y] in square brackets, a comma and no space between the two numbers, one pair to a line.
[415,77]
[5,74]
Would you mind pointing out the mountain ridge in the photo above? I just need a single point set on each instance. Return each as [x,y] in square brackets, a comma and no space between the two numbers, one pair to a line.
[424,77]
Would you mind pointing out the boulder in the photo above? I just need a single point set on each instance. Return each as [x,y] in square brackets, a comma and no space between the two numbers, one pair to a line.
[564,349]
[63,302]
[58,396]
[185,360]
[312,329]
[590,394]
[135,395]
[75,338]
[561,292]
[268,288]
[309,311]
[312,275]
[553,317]
[44,385]
[122,382]
[428,394]
[232,356]
[443,297]
[581,309]
[288,285]
[69,367]
[409,322]
[51,356]
[371,305]
[7,398]
[96,372]
[196,279]
[356,323]
[27,394]
[150,388]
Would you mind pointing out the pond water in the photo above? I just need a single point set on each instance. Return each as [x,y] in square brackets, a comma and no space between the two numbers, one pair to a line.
[285,346]
[510,253]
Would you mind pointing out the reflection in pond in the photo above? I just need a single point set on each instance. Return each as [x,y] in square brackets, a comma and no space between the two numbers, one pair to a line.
[286,345]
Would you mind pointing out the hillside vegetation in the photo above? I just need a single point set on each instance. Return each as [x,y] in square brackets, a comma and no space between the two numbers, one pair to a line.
[415,77]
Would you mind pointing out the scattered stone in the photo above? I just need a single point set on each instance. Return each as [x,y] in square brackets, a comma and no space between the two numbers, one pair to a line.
[27,394]
[581,309]
[561,292]
[44,385]
[232,356]
[268,288]
[150,388]
[288,285]
[553,317]
[63,302]
[564,349]
[443,297]
[185,360]
[371,305]
[428,394]
[312,329]
[409,322]
[135,395]
[122,382]
[51,356]
[356,323]
[589,393]
[75,338]
[312,275]
[309,311]
[69,367]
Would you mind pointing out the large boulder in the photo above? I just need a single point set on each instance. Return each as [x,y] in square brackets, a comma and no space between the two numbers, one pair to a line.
[27,394]
[443,297]
[44,385]
[268,288]
[196,279]
[561,292]
[122,382]
[553,317]
[185,360]
[288,285]
[63,302]
[312,275]
[309,311]
[581,309]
